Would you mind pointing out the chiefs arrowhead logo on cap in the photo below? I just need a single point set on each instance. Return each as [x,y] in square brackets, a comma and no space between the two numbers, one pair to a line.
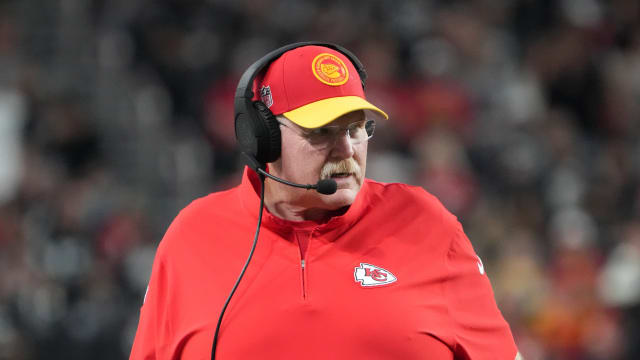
[329,69]
[371,275]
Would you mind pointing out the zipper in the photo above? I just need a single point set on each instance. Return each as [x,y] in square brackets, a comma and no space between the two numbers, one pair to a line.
[303,255]
[304,288]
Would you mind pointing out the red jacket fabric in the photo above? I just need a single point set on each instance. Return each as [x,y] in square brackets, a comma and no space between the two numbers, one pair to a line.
[395,277]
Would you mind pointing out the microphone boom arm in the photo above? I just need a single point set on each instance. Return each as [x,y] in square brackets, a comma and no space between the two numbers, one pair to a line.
[324,186]
[302,186]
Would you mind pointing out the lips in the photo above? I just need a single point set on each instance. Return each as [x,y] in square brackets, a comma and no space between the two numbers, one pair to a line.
[340,175]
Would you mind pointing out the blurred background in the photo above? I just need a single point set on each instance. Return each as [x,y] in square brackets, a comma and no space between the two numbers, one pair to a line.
[522,116]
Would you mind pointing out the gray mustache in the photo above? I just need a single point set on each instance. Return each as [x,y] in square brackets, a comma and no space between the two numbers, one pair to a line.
[344,166]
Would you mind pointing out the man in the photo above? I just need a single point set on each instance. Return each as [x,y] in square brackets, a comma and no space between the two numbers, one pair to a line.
[371,271]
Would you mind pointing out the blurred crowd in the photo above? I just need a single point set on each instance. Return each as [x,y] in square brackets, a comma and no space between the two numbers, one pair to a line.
[522,116]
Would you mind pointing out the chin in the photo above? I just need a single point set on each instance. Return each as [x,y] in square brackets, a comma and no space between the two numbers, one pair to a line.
[342,198]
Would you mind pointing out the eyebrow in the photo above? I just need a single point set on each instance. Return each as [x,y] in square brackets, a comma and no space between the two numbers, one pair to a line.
[290,124]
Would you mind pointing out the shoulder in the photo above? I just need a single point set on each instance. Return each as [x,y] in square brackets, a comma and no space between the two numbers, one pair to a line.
[196,219]
[417,193]
[412,207]
[413,198]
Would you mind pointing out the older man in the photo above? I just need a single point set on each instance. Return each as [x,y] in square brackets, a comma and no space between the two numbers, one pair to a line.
[357,270]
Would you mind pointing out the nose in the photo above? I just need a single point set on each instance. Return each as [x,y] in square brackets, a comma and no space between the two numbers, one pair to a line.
[342,147]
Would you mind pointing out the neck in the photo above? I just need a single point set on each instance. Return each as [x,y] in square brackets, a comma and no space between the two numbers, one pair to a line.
[279,205]
[294,213]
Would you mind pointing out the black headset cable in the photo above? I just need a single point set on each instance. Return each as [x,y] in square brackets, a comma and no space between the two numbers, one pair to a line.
[233,290]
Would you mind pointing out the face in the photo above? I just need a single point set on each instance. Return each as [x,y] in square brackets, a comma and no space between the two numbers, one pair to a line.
[303,162]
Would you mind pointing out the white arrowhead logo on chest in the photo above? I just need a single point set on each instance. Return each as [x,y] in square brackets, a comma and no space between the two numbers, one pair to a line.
[371,275]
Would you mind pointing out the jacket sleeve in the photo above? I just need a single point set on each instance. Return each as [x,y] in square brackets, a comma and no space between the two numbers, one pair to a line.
[148,339]
[479,329]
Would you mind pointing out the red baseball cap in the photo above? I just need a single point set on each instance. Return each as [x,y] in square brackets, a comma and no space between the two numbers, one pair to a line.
[312,86]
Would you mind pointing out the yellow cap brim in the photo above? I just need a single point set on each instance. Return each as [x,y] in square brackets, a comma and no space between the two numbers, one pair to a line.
[324,111]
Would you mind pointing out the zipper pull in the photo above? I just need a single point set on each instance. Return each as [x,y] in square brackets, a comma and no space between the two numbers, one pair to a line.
[302,263]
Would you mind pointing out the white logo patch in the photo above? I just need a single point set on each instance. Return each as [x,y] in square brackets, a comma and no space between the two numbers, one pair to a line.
[370,275]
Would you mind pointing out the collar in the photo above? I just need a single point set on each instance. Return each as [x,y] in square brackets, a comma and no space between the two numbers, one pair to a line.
[250,197]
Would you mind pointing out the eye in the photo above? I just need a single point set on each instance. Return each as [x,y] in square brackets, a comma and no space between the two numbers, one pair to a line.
[356,126]
[370,127]
[320,132]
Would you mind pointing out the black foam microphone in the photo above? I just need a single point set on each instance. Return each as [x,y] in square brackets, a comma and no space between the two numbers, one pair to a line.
[327,186]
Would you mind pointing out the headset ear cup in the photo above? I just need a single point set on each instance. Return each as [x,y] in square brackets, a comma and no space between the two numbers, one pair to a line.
[246,134]
[270,144]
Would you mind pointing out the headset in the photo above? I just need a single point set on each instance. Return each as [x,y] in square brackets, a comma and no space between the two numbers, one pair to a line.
[257,130]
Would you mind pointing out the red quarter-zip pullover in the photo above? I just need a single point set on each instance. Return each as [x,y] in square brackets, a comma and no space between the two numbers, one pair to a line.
[394,277]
